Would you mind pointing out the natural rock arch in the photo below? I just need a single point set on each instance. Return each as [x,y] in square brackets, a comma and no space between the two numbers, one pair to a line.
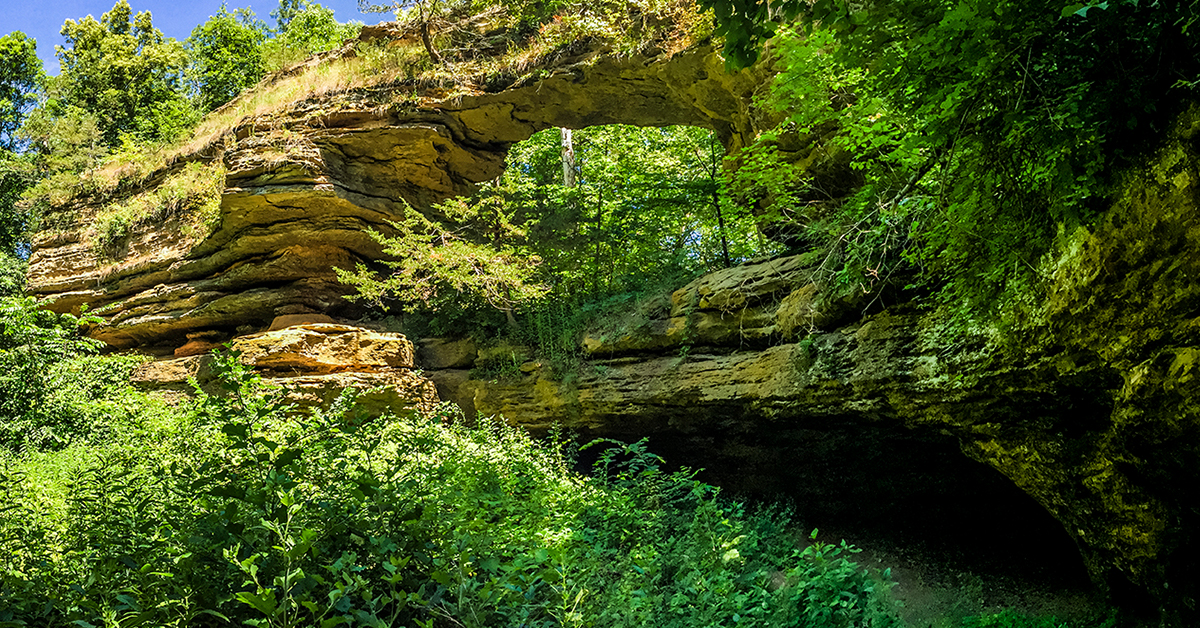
[300,195]
[1111,464]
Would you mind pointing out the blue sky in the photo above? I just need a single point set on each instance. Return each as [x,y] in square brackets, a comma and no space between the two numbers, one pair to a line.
[42,19]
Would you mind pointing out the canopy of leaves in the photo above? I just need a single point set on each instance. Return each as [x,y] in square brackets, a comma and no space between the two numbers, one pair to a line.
[20,77]
[33,342]
[980,125]
[305,32]
[125,72]
[645,203]
[226,56]
[644,209]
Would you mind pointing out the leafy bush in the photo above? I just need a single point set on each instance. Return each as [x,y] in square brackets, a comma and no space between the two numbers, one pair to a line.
[311,30]
[12,275]
[240,510]
[980,129]
[45,378]
[1014,619]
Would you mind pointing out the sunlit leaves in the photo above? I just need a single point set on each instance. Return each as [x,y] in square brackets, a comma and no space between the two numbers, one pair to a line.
[122,70]
[225,54]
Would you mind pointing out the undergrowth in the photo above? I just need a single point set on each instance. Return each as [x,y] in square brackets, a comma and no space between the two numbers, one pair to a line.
[240,510]
[234,508]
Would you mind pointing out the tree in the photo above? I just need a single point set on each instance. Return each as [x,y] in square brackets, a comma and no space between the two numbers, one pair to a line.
[307,31]
[422,12]
[980,127]
[225,56]
[127,73]
[20,78]
[286,11]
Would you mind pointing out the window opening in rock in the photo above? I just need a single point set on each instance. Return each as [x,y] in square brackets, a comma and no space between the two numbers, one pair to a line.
[581,222]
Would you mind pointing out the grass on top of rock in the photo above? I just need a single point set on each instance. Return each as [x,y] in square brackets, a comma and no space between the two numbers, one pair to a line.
[192,194]
[481,44]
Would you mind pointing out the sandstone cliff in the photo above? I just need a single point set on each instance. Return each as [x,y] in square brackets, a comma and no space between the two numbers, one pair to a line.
[301,186]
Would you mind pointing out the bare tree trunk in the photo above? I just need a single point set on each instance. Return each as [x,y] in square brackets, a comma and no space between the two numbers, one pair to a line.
[716,199]
[713,170]
[597,238]
[426,39]
[568,158]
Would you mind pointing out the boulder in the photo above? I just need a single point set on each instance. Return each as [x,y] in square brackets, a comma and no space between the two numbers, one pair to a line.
[446,353]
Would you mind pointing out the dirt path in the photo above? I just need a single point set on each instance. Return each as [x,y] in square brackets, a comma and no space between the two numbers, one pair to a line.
[937,584]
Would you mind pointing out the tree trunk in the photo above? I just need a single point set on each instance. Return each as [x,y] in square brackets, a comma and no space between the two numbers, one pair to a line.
[713,170]
[428,41]
[568,158]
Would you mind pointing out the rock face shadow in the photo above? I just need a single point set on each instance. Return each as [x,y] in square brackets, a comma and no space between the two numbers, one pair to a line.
[959,537]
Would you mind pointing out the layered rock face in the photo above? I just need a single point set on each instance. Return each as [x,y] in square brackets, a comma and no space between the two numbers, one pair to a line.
[313,363]
[1087,400]
[300,195]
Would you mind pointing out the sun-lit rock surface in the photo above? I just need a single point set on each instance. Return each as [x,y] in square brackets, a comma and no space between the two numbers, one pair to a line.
[300,194]
[313,363]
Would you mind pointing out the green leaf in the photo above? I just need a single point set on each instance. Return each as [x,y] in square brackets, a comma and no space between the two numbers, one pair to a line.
[236,430]
[264,601]
[1072,9]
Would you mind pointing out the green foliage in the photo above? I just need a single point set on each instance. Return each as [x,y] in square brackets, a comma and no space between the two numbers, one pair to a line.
[225,56]
[306,29]
[122,70]
[644,214]
[63,143]
[240,511]
[42,359]
[16,175]
[645,203]
[20,77]
[12,275]
[193,195]
[980,129]
[1014,619]
[433,263]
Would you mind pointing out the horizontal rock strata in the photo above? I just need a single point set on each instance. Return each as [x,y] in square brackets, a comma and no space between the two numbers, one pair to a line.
[302,189]
[313,364]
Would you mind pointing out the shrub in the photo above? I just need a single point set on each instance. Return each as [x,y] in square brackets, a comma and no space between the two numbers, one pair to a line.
[240,510]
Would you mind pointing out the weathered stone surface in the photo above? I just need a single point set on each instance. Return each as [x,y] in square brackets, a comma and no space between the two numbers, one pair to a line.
[451,387]
[196,347]
[753,304]
[322,348]
[446,353]
[290,320]
[314,363]
[395,392]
